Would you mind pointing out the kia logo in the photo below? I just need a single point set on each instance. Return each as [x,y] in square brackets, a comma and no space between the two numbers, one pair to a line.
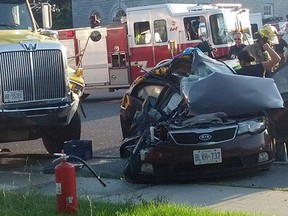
[205,137]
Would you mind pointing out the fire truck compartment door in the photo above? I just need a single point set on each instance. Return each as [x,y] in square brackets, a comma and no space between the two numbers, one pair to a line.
[94,61]
[119,76]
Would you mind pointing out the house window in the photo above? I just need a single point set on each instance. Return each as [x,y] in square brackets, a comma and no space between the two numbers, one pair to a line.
[95,19]
[268,10]
[120,16]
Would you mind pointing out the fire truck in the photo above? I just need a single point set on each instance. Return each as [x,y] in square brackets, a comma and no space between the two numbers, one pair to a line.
[149,35]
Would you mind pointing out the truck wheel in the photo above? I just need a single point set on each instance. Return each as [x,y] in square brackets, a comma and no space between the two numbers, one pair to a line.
[54,138]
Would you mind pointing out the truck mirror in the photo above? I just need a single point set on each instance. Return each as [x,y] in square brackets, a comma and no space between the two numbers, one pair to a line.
[95,36]
[46,15]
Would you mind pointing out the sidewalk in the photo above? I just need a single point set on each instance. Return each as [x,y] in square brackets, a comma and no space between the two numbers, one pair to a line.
[212,196]
[233,194]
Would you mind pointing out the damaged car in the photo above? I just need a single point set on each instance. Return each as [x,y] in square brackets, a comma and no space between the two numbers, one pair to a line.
[193,117]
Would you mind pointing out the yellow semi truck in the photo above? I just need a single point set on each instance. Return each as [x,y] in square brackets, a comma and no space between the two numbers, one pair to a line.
[39,94]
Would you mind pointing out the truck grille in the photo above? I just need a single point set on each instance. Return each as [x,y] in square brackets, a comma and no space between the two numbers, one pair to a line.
[31,76]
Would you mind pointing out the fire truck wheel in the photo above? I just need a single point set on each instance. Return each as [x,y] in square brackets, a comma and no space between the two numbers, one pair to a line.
[54,138]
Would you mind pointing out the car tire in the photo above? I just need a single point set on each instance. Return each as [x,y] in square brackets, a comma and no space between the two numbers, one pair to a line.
[281,152]
[54,138]
[132,168]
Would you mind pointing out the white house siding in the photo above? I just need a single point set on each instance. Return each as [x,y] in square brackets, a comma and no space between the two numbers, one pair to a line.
[82,9]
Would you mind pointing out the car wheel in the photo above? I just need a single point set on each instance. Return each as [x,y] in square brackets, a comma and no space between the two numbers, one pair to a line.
[54,138]
[281,152]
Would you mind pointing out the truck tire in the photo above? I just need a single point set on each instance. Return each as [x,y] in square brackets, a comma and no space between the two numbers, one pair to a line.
[54,138]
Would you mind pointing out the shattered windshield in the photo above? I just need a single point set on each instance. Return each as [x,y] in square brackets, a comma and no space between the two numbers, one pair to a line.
[195,65]
[15,15]
[203,66]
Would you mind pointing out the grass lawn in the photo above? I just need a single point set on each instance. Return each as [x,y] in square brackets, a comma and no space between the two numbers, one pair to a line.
[35,204]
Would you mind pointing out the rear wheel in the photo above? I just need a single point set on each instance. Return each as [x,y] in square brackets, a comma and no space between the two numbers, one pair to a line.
[281,152]
[54,138]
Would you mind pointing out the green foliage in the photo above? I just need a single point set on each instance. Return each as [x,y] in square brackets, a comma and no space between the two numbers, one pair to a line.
[63,19]
[62,15]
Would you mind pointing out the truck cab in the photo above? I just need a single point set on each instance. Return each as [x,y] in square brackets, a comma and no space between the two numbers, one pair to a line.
[39,94]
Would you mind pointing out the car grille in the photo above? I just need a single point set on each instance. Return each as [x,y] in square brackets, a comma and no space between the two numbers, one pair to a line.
[39,75]
[211,135]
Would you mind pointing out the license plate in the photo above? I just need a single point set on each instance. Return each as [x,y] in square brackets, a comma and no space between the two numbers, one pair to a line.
[13,96]
[207,156]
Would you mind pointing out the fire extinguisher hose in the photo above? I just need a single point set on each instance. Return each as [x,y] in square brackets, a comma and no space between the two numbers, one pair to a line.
[90,168]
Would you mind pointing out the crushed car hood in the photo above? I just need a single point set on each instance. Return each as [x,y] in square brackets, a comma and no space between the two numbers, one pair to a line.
[213,86]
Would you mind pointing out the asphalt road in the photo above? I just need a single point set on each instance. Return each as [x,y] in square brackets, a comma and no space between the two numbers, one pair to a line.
[101,125]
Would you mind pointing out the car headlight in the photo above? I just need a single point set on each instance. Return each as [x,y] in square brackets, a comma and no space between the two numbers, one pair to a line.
[252,126]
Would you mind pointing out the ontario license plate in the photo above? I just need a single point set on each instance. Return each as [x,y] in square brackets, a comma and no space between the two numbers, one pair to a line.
[207,156]
[13,96]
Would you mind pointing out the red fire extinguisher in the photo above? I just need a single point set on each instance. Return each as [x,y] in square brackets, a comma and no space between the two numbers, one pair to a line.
[65,178]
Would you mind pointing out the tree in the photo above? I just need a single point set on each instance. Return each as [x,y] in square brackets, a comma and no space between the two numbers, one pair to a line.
[62,13]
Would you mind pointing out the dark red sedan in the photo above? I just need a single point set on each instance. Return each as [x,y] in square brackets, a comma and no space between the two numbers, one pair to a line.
[194,117]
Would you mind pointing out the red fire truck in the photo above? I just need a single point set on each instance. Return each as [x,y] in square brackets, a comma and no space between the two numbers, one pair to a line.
[150,35]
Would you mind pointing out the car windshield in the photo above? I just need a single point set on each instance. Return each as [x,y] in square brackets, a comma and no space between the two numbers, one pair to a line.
[194,64]
[15,15]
